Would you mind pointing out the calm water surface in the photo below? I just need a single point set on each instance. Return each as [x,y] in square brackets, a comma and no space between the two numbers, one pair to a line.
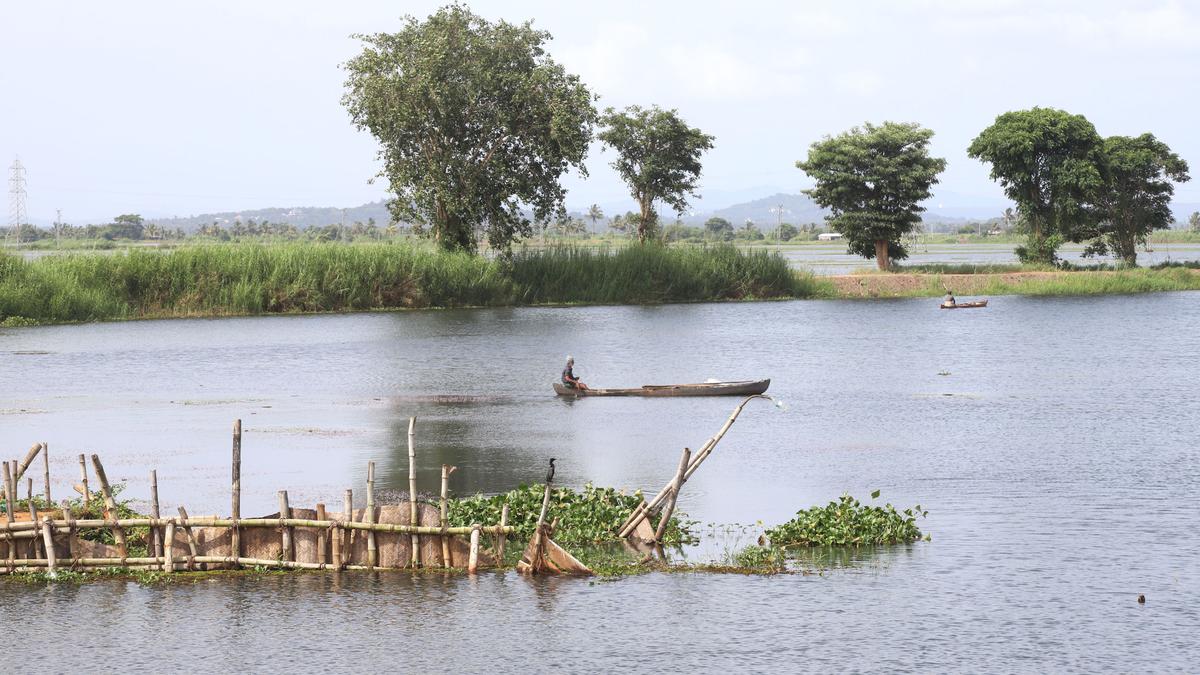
[1052,440]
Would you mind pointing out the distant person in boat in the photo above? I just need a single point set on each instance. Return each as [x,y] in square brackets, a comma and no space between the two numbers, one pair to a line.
[949,302]
[568,376]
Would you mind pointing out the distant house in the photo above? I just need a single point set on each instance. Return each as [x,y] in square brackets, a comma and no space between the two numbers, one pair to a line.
[829,236]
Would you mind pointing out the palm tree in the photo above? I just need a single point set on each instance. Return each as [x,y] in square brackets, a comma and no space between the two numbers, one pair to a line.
[595,214]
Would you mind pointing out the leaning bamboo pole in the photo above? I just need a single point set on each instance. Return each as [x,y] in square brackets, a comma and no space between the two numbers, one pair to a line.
[665,518]
[110,506]
[697,459]
[372,552]
[415,541]
[187,530]
[24,465]
[235,538]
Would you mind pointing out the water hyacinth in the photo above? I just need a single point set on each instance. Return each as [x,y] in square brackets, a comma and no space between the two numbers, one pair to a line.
[847,522]
[588,517]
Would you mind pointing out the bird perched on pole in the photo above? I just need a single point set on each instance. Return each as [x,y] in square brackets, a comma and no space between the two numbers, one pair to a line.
[550,472]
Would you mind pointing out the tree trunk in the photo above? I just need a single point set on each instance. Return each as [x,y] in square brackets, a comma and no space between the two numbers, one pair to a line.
[1126,249]
[644,222]
[881,255]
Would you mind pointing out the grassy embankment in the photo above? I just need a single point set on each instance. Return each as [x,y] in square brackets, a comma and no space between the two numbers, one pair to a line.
[245,279]
[1014,280]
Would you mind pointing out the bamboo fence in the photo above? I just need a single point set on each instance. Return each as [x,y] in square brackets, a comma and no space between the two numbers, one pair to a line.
[391,536]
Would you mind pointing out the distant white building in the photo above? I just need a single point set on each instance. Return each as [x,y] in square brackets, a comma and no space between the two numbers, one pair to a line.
[829,236]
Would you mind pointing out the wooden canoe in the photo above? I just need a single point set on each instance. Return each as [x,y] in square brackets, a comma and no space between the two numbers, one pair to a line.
[965,305]
[743,388]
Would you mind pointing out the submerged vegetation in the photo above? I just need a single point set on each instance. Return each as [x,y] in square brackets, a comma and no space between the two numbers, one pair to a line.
[245,279]
[588,517]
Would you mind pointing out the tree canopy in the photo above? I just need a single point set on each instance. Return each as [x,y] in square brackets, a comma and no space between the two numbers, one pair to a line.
[658,157]
[476,123]
[1135,197]
[872,179]
[1047,161]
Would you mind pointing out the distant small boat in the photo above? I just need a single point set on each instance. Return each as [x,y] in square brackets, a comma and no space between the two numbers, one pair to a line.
[965,305]
[743,388]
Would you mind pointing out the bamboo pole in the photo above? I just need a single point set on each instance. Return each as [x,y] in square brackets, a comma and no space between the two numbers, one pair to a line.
[46,471]
[335,545]
[18,473]
[70,527]
[169,547]
[22,565]
[444,513]
[235,538]
[501,538]
[415,541]
[158,545]
[697,459]
[348,520]
[33,518]
[285,512]
[473,557]
[211,521]
[9,504]
[110,506]
[87,495]
[665,518]
[48,536]
[191,539]
[372,552]
[321,534]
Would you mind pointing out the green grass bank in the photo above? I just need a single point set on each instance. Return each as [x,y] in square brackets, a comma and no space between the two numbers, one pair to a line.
[1024,282]
[247,279]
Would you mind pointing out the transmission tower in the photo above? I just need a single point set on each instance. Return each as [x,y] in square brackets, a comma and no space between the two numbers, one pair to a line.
[16,201]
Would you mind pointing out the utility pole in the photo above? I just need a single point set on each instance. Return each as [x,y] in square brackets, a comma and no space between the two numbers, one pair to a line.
[17,214]
[58,228]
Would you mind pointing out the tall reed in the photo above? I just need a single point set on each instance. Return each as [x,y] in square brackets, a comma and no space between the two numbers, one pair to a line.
[236,279]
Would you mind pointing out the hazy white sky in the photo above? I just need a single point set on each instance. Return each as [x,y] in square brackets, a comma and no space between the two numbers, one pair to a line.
[173,109]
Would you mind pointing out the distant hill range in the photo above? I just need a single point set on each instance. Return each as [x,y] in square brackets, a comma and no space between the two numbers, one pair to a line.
[300,216]
[764,212]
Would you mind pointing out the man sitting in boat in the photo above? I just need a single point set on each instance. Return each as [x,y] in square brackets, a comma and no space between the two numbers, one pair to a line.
[568,376]
[949,301]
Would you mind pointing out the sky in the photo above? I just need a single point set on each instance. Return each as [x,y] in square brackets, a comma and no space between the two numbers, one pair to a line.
[185,108]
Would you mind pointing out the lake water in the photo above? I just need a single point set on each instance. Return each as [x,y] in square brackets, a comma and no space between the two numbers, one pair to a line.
[1053,441]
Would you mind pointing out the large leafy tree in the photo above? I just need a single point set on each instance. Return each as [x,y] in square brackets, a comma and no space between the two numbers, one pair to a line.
[1048,162]
[1135,198]
[658,157]
[872,179]
[477,124]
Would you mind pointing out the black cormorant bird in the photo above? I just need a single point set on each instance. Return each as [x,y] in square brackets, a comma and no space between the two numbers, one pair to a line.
[550,473]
